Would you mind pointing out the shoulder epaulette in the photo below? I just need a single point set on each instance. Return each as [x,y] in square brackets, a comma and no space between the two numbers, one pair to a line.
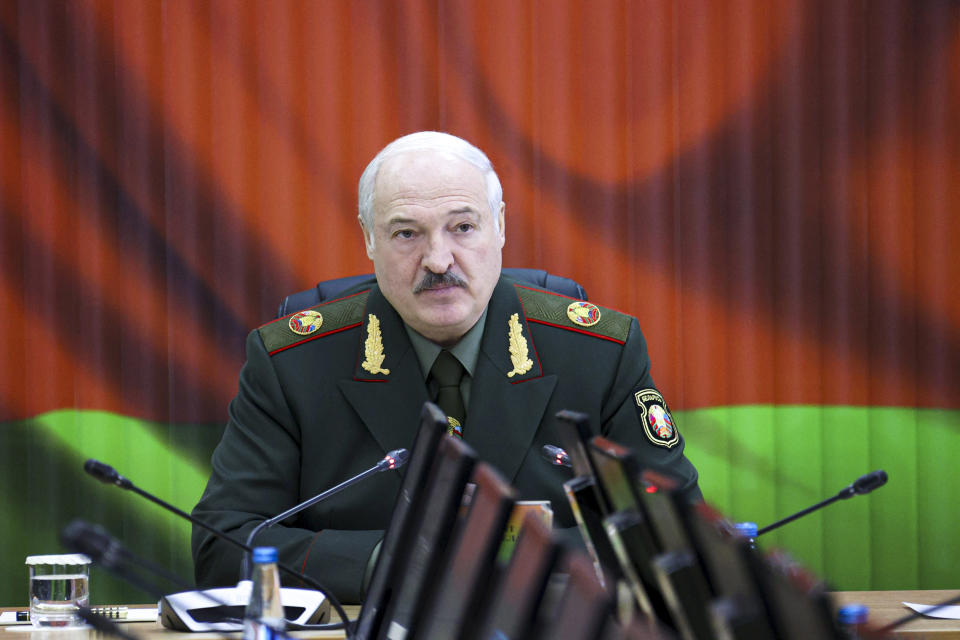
[572,314]
[315,322]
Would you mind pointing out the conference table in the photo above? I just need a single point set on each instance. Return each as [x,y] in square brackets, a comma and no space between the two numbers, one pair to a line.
[150,630]
[885,607]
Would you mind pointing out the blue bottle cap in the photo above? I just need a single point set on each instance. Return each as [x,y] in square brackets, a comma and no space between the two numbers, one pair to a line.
[852,614]
[263,555]
[746,529]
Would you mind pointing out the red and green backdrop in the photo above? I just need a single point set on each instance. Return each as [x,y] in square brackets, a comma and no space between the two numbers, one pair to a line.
[772,187]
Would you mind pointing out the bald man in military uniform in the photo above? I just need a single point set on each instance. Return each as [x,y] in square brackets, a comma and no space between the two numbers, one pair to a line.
[326,392]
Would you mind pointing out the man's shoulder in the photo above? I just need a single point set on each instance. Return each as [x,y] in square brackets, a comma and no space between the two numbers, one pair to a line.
[315,322]
[579,316]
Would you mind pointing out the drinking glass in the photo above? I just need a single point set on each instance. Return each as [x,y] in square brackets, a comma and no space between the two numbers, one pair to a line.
[59,585]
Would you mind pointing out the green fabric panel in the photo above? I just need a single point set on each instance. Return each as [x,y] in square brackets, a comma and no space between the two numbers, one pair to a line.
[756,463]
[752,495]
[938,488]
[45,487]
[799,481]
[899,537]
[847,541]
[707,436]
[893,520]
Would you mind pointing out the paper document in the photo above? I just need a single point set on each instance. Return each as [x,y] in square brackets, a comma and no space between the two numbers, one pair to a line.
[950,612]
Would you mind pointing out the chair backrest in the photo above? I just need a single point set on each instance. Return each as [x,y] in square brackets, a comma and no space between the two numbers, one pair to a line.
[331,289]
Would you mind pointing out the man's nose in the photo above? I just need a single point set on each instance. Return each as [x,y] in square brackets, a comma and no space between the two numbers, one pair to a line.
[438,256]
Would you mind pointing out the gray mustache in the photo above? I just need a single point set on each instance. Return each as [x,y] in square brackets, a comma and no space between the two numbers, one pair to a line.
[434,280]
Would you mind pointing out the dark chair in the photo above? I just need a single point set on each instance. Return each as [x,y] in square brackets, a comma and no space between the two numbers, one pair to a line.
[331,289]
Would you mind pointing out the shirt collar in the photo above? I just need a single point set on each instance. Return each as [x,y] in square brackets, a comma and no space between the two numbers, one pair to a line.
[467,350]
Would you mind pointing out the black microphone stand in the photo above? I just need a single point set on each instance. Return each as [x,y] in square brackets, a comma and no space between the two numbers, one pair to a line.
[798,514]
[109,475]
[393,460]
[112,556]
[864,484]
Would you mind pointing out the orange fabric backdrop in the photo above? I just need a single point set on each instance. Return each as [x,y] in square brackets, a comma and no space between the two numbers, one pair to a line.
[771,187]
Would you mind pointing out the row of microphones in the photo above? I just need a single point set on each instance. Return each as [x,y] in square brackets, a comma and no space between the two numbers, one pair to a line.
[180,607]
[861,486]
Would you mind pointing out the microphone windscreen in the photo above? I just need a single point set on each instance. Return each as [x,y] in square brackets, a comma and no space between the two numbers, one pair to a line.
[395,459]
[869,482]
[82,537]
[555,455]
[401,456]
[101,471]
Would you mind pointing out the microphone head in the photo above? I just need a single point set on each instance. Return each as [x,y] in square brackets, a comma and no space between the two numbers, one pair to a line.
[555,456]
[91,540]
[101,471]
[395,459]
[869,482]
[105,473]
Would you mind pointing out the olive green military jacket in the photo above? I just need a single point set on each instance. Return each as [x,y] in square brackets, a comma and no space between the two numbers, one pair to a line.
[309,414]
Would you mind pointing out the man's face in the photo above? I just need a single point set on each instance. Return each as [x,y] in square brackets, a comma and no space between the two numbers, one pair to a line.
[436,250]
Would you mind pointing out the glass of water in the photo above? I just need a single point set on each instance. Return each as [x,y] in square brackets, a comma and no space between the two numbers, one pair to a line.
[59,585]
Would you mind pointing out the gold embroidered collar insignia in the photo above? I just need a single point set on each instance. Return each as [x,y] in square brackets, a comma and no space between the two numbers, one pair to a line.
[373,347]
[518,348]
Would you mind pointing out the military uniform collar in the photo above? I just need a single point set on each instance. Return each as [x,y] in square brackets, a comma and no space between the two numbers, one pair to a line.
[467,350]
[501,428]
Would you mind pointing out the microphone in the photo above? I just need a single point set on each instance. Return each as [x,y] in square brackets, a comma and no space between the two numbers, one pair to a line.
[556,456]
[861,486]
[106,551]
[94,541]
[180,605]
[105,473]
[397,458]
[393,460]
[865,484]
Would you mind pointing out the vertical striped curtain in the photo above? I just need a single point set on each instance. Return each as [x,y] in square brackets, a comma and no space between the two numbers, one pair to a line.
[771,187]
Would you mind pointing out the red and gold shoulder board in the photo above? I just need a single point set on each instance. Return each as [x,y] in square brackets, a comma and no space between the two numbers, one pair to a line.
[315,322]
[560,311]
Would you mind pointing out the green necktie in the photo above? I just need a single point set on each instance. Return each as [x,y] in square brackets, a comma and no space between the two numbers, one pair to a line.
[448,372]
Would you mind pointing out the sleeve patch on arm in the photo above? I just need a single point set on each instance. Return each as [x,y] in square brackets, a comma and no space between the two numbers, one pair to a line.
[657,421]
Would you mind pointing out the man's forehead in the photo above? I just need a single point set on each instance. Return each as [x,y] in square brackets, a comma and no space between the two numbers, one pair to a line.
[427,172]
[400,216]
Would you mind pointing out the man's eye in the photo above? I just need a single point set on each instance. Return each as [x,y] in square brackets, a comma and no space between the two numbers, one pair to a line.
[464,227]
[406,234]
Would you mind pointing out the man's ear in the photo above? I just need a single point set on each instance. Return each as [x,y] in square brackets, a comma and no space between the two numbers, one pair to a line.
[502,219]
[367,237]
